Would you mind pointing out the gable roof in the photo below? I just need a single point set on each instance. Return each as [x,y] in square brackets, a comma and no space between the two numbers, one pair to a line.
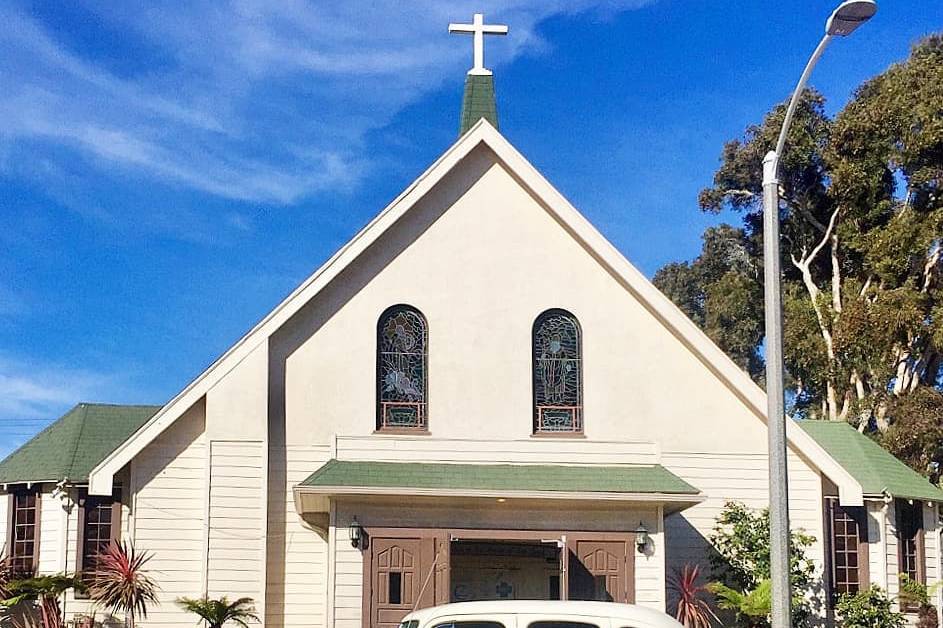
[877,470]
[570,219]
[72,445]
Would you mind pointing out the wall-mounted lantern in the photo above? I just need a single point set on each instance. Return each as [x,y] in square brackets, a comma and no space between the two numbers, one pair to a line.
[355,530]
[641,538]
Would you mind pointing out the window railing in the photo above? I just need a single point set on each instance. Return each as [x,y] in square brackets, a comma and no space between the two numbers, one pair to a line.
[559,420]
[402,415]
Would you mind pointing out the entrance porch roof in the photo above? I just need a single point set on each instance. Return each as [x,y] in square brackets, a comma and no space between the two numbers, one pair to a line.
[635,483]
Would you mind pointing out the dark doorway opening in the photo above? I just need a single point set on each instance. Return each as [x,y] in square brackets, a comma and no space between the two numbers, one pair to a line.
[505,570]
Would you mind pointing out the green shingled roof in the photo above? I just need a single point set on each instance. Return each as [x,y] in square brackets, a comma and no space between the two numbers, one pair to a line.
[502,477]
[478,102]
[876,469]
[73,445]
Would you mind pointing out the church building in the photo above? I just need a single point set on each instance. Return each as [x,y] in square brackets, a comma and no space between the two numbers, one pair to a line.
[477,397]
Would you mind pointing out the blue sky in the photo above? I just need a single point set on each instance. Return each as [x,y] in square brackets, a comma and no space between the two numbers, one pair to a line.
[169,171]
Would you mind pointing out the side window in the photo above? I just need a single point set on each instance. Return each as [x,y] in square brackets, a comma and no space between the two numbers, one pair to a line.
[470,624]
[24,531]
[99,525]
[557,373]
[847,546]
[402,362]
[561,624]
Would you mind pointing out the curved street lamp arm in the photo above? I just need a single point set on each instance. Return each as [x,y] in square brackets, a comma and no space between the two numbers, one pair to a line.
[794,101]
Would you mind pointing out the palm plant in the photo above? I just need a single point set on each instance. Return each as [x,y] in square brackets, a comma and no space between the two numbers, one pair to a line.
[692,610]
[753,607]
[44,591]
[217,612]
[119,581]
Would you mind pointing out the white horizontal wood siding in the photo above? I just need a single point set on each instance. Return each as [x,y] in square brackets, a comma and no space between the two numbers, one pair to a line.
[52,522]
[348,581]
[891,562]
[932,542]
[236,544]
[741,478]
[877,554]
[494,450]
[296,587]
[170,476]
[650,567]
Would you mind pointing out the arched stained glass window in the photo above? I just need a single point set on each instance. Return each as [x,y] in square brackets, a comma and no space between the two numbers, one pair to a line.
[558,373]
[402,349]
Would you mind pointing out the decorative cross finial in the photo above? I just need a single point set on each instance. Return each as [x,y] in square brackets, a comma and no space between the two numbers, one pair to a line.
[479,29]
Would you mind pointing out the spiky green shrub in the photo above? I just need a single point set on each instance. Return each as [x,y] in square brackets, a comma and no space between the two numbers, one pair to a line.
[218,612]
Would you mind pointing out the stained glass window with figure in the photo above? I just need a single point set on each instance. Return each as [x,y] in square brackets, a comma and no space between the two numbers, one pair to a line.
[402,358]
[558,373]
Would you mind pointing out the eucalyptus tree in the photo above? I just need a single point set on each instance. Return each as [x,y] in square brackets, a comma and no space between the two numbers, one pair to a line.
[862,247]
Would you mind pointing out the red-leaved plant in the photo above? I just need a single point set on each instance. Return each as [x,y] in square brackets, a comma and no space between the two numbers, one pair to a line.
[119,582]
[692,610]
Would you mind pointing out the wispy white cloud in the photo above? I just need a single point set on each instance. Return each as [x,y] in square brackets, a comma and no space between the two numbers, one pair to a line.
[30,391]
[247,99]
[34,393]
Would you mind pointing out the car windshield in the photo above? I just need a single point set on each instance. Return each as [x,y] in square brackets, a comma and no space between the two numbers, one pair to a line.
[414,623]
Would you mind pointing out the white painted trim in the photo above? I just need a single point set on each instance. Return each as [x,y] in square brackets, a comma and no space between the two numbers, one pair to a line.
[572,221]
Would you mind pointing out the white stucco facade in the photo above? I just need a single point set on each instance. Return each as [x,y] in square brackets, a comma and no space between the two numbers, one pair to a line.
[481,245]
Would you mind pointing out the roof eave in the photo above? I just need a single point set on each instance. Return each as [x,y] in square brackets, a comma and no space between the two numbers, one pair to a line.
[324,493]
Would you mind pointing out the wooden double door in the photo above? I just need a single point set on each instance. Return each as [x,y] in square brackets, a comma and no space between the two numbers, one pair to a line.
[407,569]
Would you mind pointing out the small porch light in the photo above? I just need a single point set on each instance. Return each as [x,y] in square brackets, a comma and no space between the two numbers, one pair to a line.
[641,538]
[355,531]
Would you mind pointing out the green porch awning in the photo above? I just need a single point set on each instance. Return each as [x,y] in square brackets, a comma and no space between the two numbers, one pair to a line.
[342,476]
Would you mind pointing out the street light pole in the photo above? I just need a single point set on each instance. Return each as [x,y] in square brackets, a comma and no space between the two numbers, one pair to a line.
[843,21]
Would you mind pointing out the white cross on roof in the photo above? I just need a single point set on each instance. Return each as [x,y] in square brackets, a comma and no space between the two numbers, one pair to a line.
[479,29]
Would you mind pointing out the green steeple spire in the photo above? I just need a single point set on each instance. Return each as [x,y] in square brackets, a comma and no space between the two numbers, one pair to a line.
[478,102]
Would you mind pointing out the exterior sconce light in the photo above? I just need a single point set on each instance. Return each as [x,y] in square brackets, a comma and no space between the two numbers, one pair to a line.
[641,538]
[355,530]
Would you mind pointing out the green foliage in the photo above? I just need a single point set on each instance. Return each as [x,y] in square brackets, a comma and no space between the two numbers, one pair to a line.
[868,609]
[218,612]
[37,588]
[916,437]
[916,594]
[751,607]
[41,595]
[740,560]
[720,292]
[861,220]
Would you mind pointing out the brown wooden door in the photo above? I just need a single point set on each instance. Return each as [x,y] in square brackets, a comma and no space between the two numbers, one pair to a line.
[599,571]
[397,579]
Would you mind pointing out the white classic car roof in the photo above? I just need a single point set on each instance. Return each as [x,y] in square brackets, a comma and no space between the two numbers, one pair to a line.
[648,616]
